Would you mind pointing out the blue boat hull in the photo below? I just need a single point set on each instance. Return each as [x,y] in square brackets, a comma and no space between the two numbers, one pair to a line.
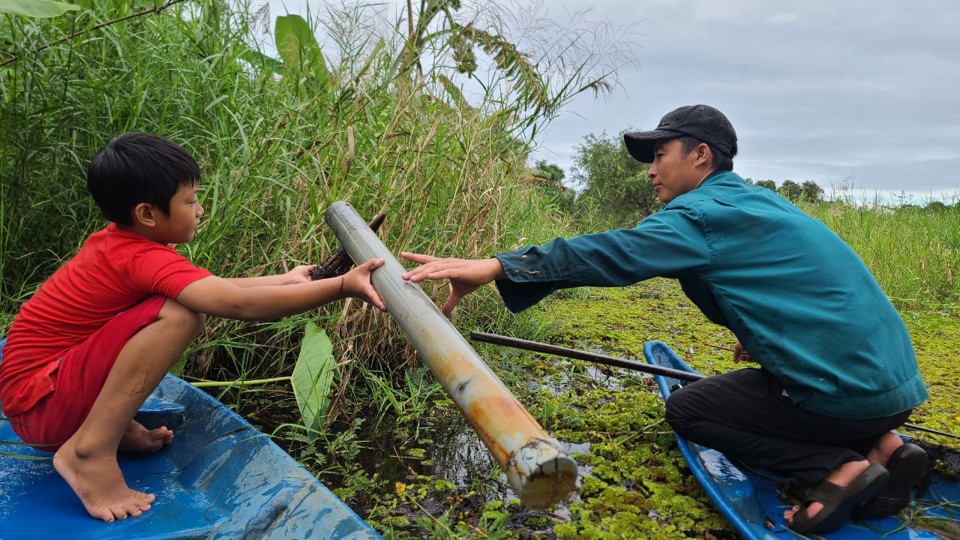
[220,478]
[750,504]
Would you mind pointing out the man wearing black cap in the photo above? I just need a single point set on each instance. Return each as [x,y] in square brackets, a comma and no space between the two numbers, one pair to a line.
[838,370]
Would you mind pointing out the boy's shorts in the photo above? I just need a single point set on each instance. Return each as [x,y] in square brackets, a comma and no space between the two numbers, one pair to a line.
[80,377]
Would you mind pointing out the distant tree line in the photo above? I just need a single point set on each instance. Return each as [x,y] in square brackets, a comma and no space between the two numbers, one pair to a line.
[610,189]
[808,191]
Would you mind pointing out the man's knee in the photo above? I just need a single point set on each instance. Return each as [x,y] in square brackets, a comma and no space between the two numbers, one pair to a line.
[680,413]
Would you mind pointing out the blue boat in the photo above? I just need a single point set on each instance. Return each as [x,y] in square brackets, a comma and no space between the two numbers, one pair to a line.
[220,478]
[749,501]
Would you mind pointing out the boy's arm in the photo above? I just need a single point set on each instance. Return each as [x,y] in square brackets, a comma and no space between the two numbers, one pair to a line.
[223,298]
[300,274]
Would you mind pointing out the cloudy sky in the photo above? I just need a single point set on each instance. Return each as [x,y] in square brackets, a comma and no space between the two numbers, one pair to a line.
[862,93]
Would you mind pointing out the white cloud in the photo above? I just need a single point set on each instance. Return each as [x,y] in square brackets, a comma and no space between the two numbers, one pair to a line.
[818,91]
[826,91]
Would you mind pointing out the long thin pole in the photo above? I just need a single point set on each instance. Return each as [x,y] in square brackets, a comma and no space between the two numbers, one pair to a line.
[634,365]
[538,470]
[583,355]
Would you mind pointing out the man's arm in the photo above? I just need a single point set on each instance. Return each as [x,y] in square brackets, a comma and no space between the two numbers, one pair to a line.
[465,275]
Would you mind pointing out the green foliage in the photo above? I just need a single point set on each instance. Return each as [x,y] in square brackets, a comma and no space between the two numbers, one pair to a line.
[36,8]
[808,192]
[616,190]
[548,178]
[769,184]
[313,376]
[278,140]
[302,59]
[913,253]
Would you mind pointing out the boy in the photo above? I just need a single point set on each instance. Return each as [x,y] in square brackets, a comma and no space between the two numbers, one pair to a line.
[99,335]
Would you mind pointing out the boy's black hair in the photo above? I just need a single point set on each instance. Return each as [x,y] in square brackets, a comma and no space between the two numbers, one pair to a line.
[136,168]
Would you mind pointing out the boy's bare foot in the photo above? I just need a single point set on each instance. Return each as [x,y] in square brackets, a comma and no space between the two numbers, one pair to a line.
[97,480]
[140,439]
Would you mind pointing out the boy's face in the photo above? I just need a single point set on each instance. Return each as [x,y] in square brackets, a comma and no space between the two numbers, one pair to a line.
[181,225]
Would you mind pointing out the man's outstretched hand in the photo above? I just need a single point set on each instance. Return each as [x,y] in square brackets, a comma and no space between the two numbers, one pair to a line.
[465,275]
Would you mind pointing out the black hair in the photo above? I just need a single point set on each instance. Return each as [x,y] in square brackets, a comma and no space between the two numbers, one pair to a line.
[722,161]
[136,168]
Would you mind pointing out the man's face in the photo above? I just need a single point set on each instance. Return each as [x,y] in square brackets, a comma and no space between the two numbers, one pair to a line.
[673,172]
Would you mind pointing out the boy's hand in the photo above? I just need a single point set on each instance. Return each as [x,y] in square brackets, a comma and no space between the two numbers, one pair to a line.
[356,283]
[465,275]
[300,274]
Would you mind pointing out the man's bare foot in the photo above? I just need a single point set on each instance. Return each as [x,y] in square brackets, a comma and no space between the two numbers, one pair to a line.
[884,448]
[97,480]
[844,476]
[140,439]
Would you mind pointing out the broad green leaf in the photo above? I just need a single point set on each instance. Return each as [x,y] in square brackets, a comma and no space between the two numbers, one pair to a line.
[22,456]
[299,50]
[15,455]
[257,58]
[36,8]
[313,376]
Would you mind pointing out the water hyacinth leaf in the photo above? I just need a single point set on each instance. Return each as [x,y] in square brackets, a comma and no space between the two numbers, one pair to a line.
[36,8]
[300,51]
[313,376]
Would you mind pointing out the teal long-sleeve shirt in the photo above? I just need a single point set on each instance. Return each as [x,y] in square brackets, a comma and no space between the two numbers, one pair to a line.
[796,296]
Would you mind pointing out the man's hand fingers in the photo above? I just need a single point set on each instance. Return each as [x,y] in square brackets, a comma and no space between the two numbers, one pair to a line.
[419,258]
[450,304]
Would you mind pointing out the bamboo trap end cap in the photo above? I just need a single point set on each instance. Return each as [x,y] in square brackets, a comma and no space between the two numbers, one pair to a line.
[541,474]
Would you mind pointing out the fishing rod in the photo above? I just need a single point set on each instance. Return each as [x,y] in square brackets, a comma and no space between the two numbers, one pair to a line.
[613,361]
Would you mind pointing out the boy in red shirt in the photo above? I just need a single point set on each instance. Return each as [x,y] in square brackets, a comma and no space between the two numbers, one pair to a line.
[96,339]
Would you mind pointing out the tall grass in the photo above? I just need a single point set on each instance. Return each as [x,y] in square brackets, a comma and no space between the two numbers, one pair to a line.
[913,252]
[278,139]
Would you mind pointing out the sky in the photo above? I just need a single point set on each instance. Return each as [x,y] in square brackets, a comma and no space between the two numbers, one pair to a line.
[860,96]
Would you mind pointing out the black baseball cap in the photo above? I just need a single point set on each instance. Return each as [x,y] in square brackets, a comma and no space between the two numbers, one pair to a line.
[702,122]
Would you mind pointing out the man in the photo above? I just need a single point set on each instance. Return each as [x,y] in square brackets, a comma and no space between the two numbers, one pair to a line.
[838,370]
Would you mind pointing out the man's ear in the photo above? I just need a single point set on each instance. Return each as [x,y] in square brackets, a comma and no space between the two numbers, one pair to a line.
[145,214]
[703,154]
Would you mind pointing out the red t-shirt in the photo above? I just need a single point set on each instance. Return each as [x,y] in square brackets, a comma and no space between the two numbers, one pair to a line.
[113,271]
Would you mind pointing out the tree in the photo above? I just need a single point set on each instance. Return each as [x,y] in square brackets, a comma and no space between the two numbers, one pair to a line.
[769,184]
[790,190]
[614,185]
[811,192]
[548,177]
[549,173]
